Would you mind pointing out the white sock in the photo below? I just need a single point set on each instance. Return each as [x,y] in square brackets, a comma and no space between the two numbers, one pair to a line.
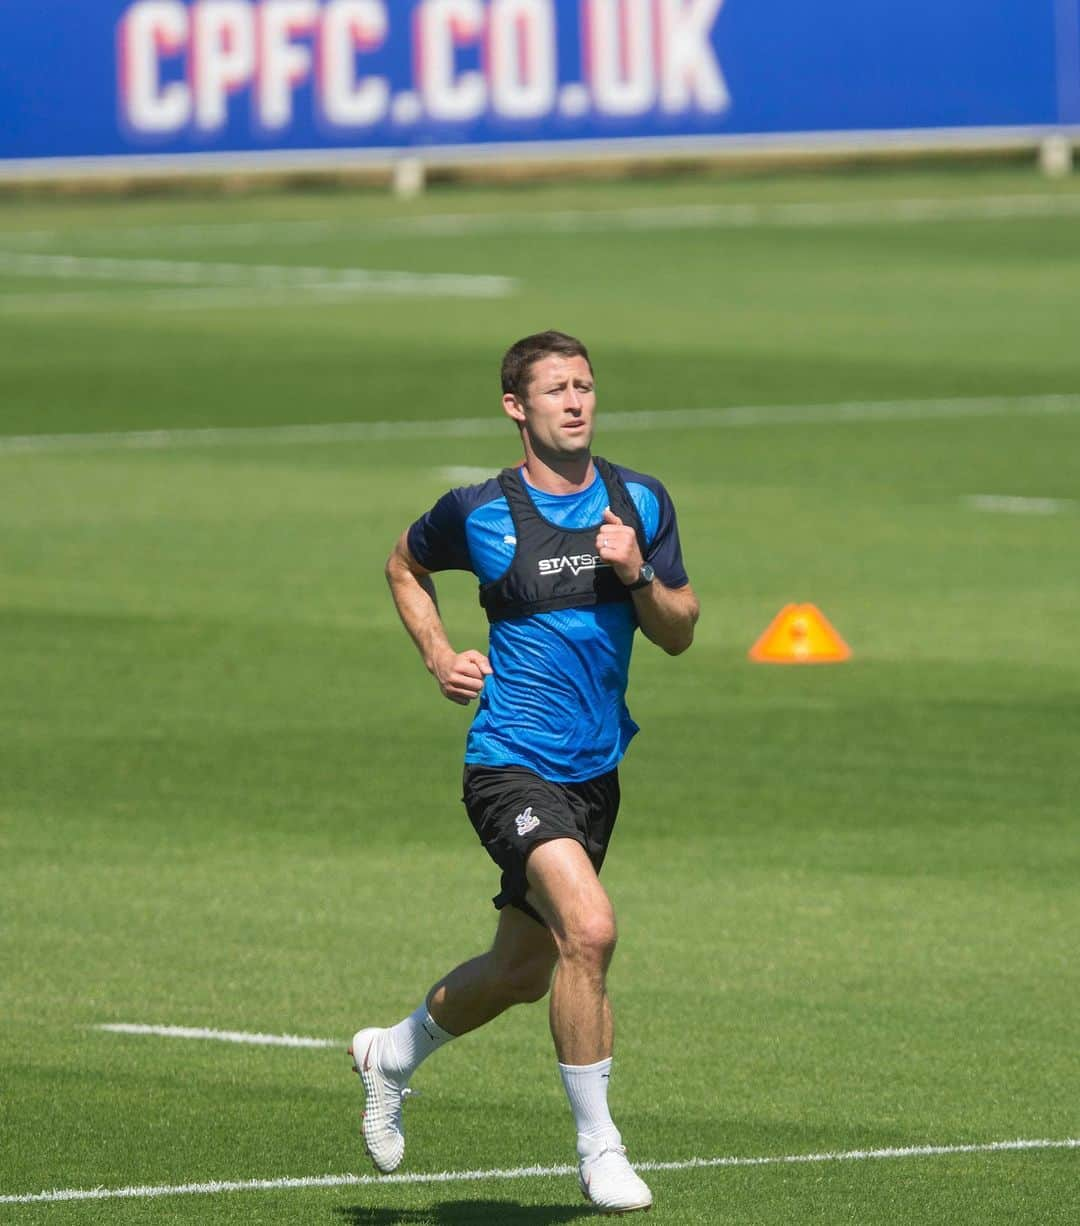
[410,1042]
[586,1087]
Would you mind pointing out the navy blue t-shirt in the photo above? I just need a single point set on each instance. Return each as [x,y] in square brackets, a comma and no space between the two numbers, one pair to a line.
[556,702]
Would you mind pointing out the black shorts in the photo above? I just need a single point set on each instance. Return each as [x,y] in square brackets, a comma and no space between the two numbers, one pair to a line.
[513,810]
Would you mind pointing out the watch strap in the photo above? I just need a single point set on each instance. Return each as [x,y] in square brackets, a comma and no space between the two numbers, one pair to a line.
[643,579]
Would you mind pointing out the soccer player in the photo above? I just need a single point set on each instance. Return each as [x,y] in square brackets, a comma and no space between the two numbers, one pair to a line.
[572,554]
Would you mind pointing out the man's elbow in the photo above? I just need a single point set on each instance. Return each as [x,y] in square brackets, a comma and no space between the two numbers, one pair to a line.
[398,561]
[674,639]
[681,635]
[676,646]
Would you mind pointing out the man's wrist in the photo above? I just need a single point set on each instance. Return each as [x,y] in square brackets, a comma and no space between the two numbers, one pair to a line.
[643,578]
[434,659]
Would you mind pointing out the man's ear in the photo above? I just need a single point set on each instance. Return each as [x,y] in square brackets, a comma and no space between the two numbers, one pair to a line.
[513,408]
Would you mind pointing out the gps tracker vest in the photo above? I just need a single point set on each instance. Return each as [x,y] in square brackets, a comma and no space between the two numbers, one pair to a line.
[557,568]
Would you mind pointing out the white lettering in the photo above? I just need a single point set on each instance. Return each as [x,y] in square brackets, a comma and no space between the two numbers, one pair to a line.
[153,30]
[521,57]
[575,563]
[690,75]
[622,66]
[350,26]
[442,27]
[222,57]
[283,64]
[183,61]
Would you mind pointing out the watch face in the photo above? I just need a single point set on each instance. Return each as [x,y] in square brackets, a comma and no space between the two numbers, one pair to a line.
[647,573]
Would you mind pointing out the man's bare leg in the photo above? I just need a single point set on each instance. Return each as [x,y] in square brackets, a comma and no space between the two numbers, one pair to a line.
[515,970]
[565,890]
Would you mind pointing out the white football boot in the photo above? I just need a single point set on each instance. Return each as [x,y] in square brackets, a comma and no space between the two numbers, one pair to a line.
[384,1135]
[607,1179]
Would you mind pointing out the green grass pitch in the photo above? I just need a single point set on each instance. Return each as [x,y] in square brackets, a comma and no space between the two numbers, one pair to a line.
[229,793]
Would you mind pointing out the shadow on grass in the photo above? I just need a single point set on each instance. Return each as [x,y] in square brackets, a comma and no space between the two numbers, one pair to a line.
[457,1213]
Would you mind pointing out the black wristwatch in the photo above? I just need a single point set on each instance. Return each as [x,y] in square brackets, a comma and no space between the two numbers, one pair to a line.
[645,576]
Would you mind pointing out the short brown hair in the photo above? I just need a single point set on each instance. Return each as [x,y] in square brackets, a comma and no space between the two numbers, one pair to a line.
[524,354]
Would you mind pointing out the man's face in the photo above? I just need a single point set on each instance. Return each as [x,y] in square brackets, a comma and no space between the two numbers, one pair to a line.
[559,405]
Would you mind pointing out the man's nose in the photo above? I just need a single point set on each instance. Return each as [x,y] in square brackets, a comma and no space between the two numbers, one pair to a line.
[573,399]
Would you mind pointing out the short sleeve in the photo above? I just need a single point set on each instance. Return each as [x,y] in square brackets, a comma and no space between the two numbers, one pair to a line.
[437,540]
[665,551]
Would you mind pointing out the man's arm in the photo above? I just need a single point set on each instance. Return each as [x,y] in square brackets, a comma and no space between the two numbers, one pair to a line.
[667,615]
[460,674]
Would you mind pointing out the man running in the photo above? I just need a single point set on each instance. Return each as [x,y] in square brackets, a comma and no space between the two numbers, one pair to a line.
[572,555]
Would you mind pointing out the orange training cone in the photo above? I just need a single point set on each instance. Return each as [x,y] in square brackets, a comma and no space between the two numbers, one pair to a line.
[800,634]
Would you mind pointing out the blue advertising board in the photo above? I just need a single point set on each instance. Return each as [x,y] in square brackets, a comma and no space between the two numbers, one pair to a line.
[117,78]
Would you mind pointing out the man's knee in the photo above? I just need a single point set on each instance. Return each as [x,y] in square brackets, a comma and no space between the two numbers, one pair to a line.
[564,888]
[590,939]
[531,987]
[528,981]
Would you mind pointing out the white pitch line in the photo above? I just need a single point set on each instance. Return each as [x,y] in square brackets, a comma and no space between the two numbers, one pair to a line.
[190,298]
[253,276]
[221,1036]
[1012,504]
[459,473]
[150,1191]
[740,216]
[746,215]
[737,417]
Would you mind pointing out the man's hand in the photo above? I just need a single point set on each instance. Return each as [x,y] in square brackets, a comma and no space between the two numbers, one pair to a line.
[617,544]
[461,674]
[666,615]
